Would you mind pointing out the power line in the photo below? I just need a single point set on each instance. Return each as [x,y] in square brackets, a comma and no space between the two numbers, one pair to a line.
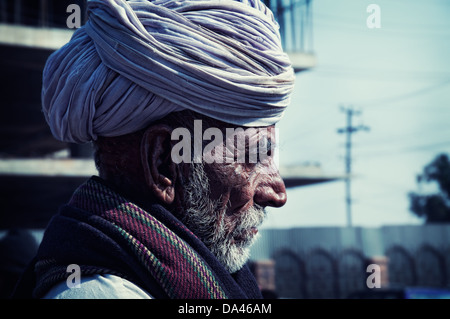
[349,130]
[406,96]
[410,149]
[401,139]
[318,122]
[383,75]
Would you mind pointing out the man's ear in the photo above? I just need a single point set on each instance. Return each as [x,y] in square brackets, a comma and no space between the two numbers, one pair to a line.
[159,169]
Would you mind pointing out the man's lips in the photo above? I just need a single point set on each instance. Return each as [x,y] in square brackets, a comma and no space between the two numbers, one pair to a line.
[245,235]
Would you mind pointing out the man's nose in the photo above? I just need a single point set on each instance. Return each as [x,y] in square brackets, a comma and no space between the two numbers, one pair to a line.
[271,192]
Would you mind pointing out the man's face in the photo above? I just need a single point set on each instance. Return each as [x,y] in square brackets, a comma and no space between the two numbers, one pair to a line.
[225,200]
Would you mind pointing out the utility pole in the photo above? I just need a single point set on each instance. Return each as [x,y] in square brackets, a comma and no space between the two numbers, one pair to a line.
[349,130]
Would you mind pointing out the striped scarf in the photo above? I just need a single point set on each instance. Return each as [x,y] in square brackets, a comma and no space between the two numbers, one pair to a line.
[104,233]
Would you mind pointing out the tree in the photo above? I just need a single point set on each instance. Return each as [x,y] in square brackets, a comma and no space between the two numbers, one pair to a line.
[435,208]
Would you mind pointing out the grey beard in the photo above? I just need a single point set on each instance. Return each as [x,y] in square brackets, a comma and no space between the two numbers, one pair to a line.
[207,221]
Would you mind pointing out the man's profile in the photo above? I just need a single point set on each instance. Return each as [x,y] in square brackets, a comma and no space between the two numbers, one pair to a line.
[151,225]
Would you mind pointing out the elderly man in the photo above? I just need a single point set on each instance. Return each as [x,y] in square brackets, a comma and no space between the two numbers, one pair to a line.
[159,221]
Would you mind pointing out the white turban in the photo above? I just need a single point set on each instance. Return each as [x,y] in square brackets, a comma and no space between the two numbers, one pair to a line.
[135,62]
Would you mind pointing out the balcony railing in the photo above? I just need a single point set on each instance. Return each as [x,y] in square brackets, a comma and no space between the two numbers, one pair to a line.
[295,20]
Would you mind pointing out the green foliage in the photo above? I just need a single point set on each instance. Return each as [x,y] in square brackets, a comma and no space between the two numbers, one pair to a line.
[434,207]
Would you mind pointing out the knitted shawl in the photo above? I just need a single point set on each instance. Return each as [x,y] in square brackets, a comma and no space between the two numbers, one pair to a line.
[104,233]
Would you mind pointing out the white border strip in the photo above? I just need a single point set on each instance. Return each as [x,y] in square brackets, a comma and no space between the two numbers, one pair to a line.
[44,38]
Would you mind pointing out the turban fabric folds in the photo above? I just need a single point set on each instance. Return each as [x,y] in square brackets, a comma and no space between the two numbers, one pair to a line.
[135,62]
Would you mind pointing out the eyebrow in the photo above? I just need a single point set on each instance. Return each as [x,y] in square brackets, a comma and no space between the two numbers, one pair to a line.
[267,142]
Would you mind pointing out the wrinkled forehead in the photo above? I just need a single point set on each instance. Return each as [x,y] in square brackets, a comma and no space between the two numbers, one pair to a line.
[251,136]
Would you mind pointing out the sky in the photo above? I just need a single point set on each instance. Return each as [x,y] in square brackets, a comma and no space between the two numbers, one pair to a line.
[398,77]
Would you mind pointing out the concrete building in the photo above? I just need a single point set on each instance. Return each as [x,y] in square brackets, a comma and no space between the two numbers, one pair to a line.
[331,262]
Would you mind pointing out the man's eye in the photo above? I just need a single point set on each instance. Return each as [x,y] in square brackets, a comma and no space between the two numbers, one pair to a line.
[259,154]
[265,150]
[269,148]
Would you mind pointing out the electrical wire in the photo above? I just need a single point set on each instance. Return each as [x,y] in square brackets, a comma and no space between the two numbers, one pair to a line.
[377,74]
[408,149]
[397,98]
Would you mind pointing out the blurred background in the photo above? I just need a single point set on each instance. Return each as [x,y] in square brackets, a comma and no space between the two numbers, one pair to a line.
[363,148]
